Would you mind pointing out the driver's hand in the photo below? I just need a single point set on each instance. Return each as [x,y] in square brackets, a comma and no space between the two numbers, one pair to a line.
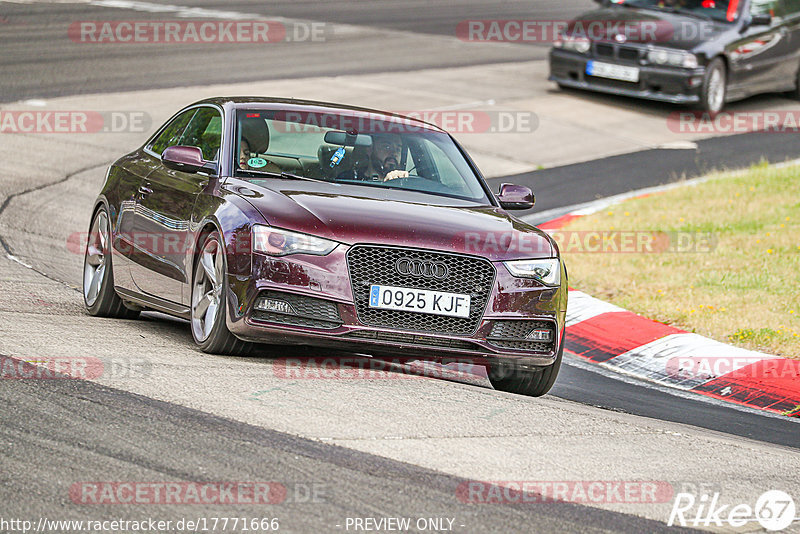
[394,175]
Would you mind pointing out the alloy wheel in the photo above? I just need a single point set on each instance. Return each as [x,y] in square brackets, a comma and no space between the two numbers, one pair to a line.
[716,91]
[94,266]
[207,290]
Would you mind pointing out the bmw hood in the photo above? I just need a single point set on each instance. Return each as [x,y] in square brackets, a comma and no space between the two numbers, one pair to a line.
[353,214]
[646,26]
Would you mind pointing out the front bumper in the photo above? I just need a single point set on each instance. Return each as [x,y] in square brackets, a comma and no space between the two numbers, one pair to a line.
[320,287]
[663,84]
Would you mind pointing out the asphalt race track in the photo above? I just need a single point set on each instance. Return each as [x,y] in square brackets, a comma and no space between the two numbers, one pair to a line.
[34,68]
[391,446]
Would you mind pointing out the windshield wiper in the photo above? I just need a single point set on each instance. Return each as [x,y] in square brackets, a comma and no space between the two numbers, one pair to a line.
[284,174]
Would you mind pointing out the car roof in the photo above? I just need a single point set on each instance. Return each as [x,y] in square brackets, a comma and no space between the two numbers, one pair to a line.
[311,106]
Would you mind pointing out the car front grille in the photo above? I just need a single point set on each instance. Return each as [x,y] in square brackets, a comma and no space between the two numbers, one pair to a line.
[369,264]
[307,311]
[512,335]
[604,50]
[623,53]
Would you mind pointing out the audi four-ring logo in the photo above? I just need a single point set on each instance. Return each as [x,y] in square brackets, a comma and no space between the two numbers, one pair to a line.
[422,268]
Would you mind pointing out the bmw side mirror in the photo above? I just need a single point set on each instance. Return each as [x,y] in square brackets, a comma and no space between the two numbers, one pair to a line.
[185,159]
[515,197]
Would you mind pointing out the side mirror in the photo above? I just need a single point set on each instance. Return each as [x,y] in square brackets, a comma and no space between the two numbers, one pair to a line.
[184,158]
[515,197]
[761,19]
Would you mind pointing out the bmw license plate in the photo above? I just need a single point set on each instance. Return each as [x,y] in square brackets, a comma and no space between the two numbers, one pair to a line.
[614,72]
[419,301]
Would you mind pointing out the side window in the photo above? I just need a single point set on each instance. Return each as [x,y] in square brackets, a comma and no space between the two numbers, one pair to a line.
[171,135]
[791,7]
[204,131]
[770,7]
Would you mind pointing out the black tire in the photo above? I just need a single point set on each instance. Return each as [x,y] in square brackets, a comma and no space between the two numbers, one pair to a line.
[219,340]
[102,301]
[533,382]
[712,94]
[795,93]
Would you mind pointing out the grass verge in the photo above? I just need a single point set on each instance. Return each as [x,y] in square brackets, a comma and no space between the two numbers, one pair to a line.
[720,258]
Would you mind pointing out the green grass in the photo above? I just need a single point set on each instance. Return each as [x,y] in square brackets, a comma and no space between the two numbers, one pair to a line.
[745,291]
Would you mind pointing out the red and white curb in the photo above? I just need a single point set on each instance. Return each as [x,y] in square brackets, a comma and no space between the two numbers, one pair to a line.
[634,345]
[621,340]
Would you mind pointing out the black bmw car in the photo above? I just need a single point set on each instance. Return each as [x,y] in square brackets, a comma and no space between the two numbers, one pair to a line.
[703,53]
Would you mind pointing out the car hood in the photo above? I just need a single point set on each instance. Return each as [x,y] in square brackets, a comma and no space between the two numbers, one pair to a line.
[353,214]
[646,26]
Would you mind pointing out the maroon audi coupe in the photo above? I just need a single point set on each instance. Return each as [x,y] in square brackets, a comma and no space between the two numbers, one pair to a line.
[293,222]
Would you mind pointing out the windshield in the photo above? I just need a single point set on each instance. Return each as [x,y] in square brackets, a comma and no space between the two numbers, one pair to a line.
[720,10]
[355,148]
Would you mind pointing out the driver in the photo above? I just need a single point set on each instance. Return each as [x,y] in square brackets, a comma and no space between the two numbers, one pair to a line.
[382,161]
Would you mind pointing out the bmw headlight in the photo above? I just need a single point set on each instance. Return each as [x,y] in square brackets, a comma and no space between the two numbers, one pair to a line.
[277,242]
[547,271]
[672,58]
[580,45]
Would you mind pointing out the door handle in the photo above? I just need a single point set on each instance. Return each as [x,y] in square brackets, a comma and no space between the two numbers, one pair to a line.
[144,191]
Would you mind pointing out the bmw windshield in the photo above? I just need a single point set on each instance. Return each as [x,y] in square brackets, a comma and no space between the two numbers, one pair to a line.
[354,148]
[719,10]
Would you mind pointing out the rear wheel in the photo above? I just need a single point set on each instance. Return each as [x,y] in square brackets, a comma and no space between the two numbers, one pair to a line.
[98,276]
[534,382]
[715,87]
[209,306]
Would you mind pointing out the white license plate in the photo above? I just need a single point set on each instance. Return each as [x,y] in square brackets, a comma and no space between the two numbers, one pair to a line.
[614,72]
[419,301]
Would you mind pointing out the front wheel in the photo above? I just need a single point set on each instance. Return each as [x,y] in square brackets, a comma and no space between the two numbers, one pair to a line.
[99,296]
[533,382]
[209,329]
[715,87]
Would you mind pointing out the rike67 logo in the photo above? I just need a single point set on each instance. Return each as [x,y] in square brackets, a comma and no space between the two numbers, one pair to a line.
[774,510]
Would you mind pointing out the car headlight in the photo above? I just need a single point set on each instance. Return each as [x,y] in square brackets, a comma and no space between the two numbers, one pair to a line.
[660,56]
[277,242]
[580,45]
[547,271]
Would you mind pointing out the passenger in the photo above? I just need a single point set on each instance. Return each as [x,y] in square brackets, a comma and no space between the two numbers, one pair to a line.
[254,144]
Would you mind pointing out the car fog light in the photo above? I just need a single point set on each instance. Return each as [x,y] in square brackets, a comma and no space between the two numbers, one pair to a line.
[540,334]
[276,306]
